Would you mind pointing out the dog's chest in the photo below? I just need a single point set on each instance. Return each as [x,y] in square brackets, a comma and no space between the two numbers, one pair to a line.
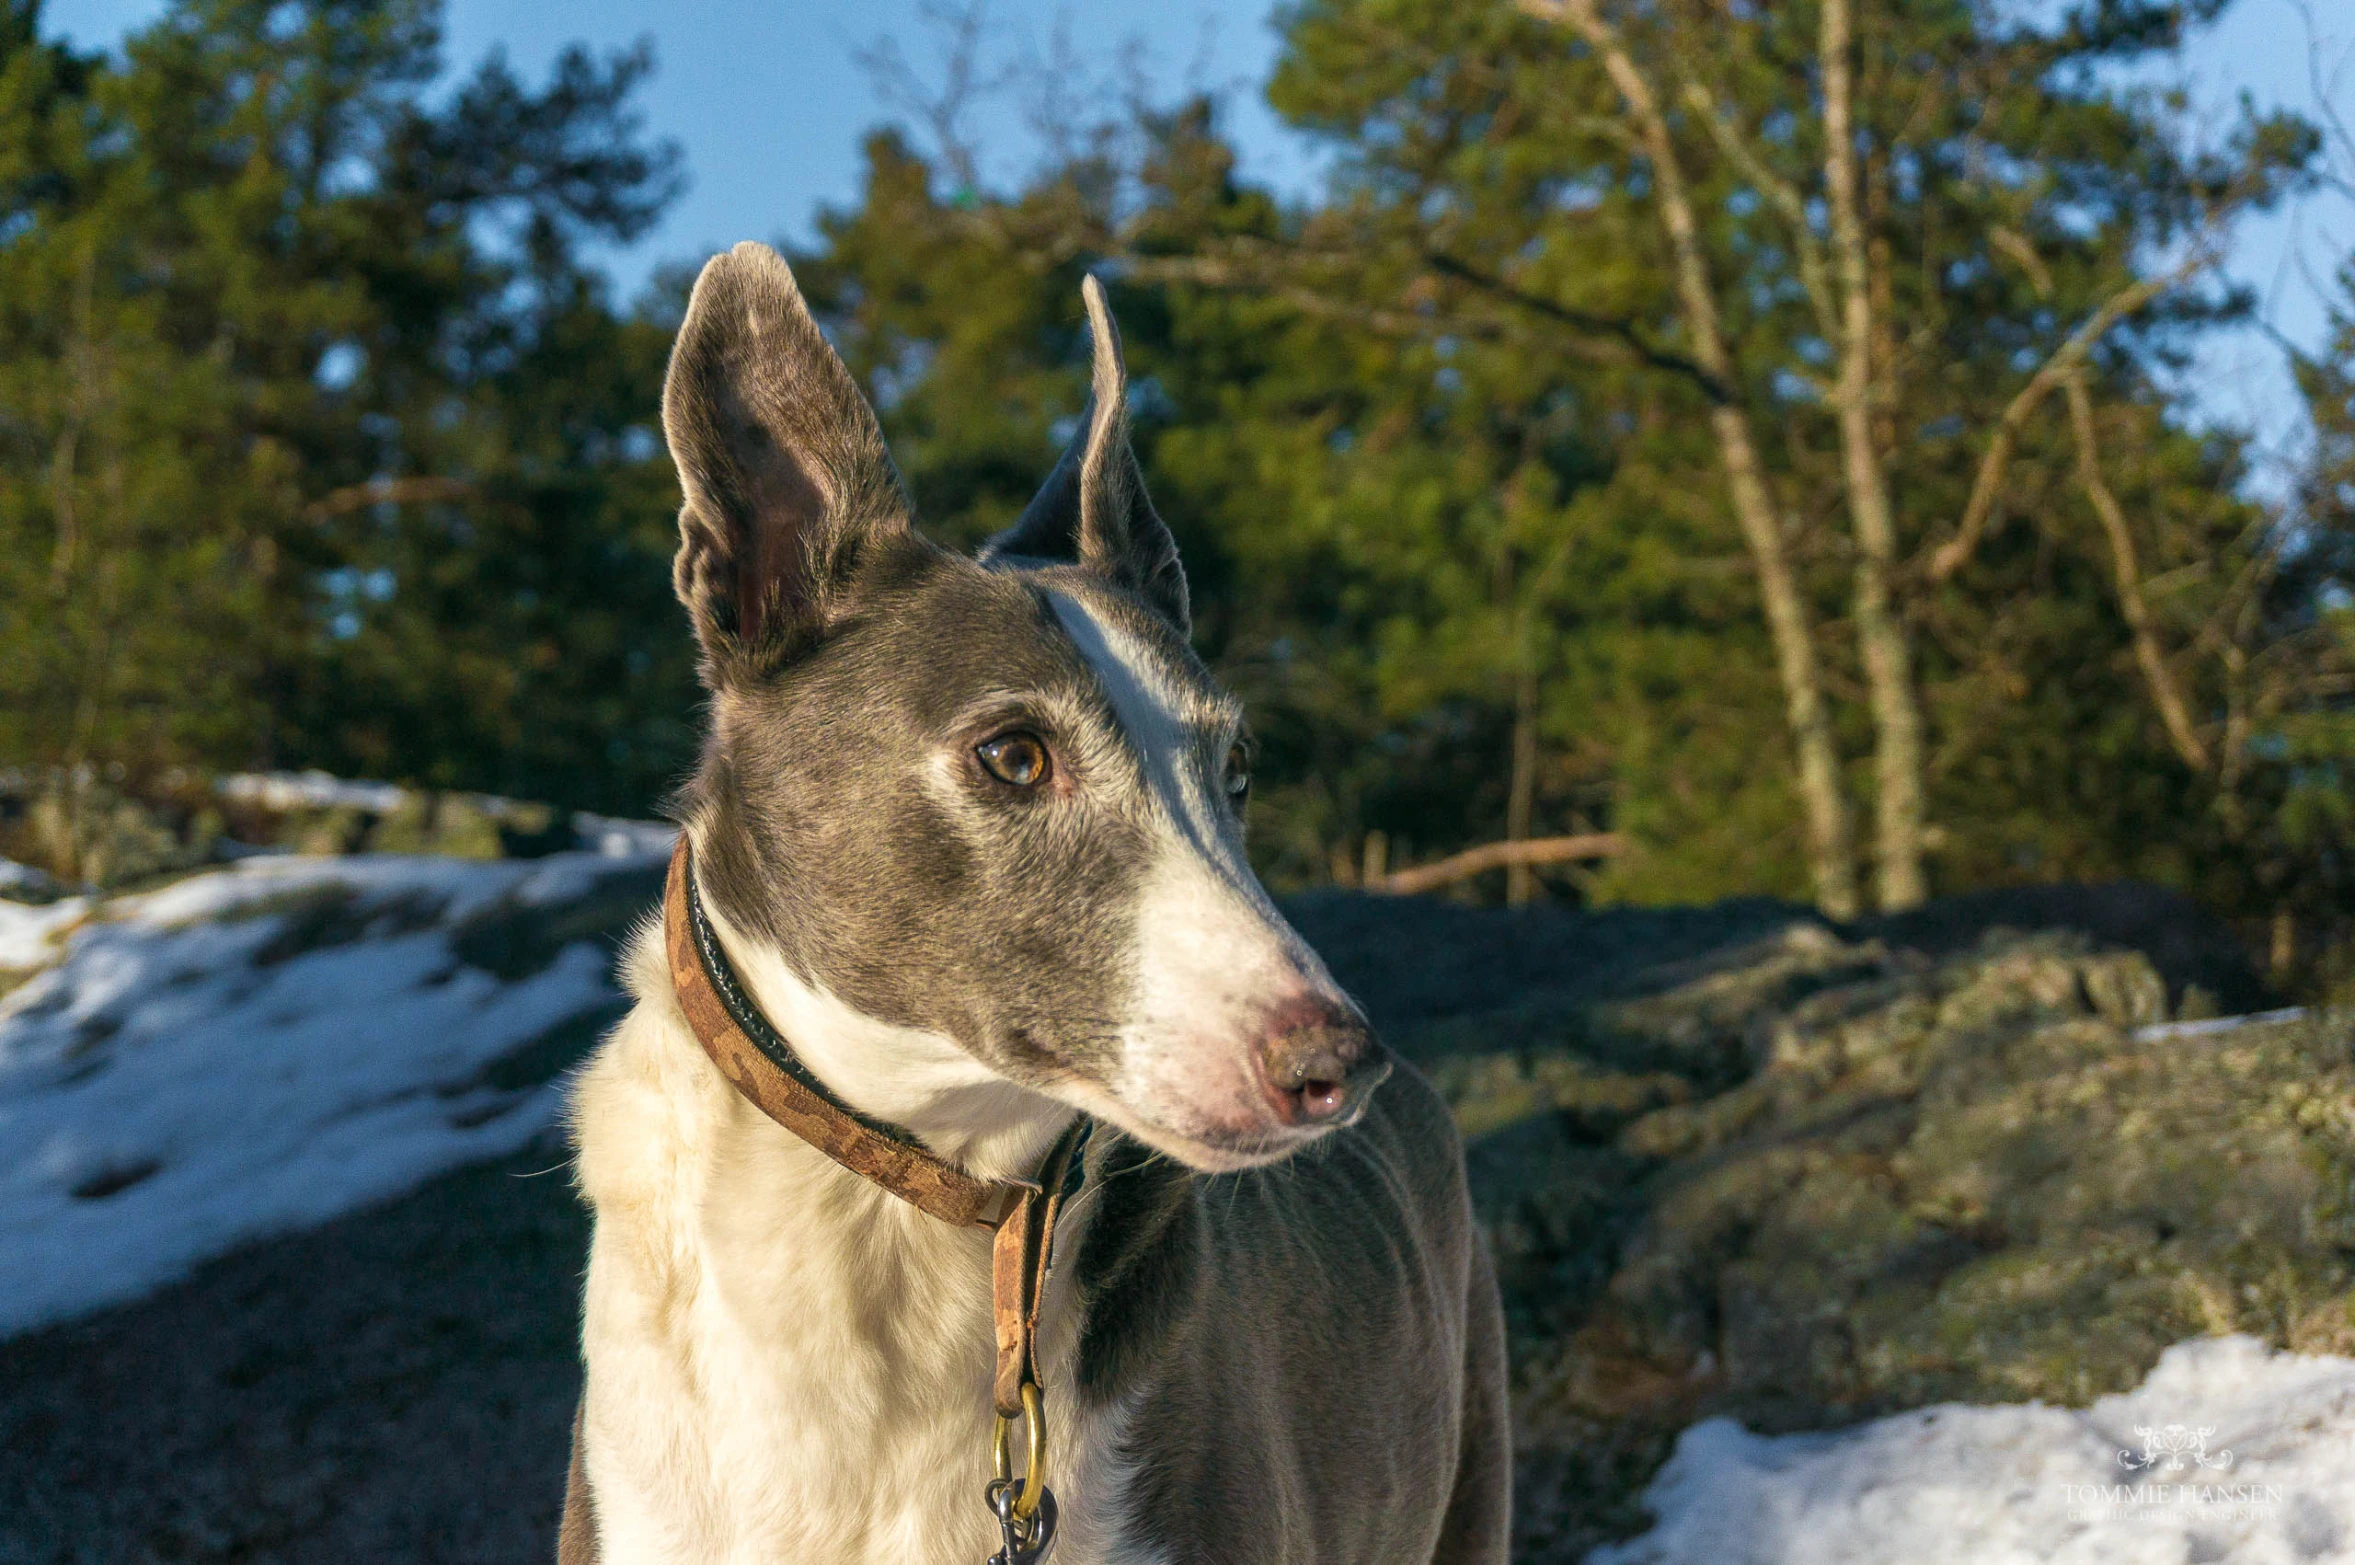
[787,1364]
[849,1408]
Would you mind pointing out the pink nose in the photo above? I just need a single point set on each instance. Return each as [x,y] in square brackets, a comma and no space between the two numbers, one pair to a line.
[1319,1063]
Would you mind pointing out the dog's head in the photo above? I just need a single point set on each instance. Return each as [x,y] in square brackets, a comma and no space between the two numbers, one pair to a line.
[997,801]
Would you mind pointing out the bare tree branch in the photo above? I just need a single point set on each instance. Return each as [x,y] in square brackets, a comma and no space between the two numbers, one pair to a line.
[1813,274]
[2126,571]
[962,28]
[1712,386]
[1220,272]
[2064,360]
[386,491]
[1257,266]
[1498,855]
[2323,88]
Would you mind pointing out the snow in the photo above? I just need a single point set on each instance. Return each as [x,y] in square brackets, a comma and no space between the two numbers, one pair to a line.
[28,934]
[622,839]
[2160,1032]
[2227,1452]
[255,1049]
[24,883]
[311,790]
[285,792]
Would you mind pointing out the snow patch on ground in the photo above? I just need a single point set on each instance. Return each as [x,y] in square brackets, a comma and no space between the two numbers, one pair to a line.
[23,883]
[2161,1032]
[621,839]
[260,1048]
[2227,1452]
[312,790]
[29,935]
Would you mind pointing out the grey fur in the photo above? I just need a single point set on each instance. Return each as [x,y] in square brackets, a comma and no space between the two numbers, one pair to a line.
[1093,508]
[1313,1347]
[909,907]
[995,918]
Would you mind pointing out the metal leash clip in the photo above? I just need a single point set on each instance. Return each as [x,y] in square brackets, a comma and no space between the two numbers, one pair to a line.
[1026,1542]
[1024,1507]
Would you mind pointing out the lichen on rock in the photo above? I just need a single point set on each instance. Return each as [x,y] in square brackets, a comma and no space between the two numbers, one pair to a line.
[1807,1180]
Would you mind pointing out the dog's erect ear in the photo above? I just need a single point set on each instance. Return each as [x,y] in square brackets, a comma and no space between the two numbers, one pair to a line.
[782,462]
[1093,509]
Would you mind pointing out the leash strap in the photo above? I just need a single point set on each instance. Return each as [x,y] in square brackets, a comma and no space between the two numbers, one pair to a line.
[752,1055]
[1019,1257]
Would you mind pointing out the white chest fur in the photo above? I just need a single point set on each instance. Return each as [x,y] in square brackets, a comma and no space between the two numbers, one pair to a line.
[785,1362]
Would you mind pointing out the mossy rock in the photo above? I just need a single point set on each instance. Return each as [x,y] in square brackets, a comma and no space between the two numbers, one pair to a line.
[87,832]
[1809,1181]
[448,825]
[340,829]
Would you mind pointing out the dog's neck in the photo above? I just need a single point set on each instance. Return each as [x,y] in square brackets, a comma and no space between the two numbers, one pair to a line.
[918,1080]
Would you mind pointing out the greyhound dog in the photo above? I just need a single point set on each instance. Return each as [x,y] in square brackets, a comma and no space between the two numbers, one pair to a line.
[961,886]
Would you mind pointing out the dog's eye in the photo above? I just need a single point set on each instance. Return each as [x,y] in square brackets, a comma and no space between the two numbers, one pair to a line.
[1017,758]
[1238,773]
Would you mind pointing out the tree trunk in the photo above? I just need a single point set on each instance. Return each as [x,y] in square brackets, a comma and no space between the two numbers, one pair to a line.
[1831,847]
[1880,632]
[1520,879]
[1831,852]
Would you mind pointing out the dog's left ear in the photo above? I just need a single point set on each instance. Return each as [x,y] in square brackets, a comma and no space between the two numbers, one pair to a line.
[1093,510]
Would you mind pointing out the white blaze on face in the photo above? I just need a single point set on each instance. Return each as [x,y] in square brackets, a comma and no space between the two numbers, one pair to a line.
[1213,956]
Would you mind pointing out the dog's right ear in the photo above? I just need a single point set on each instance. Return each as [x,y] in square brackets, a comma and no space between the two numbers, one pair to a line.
[781,460]
[1093,510]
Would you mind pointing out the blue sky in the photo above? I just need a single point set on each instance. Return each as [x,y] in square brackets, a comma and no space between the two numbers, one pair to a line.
[770,101]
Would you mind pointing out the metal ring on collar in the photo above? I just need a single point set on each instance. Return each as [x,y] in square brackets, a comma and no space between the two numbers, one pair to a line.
[1034,1476]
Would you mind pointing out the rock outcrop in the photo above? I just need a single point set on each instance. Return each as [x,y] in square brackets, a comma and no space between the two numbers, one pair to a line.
[1804,1180]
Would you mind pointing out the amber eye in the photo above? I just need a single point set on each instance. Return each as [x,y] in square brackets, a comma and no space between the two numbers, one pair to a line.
[1017,758]
[1238,773]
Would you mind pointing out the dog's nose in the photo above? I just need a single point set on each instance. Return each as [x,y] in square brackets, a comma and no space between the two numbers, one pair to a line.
[1319,1063]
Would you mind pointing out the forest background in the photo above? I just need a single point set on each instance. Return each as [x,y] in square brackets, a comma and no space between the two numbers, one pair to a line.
[1754,434]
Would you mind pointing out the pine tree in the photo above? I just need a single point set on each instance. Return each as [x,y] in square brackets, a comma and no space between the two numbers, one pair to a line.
[324,446]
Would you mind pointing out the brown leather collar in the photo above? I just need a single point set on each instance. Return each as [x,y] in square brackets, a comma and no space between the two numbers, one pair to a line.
[750,1053]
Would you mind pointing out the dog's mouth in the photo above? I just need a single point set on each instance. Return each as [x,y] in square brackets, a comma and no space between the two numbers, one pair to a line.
[1224,1156]
[1208,1151]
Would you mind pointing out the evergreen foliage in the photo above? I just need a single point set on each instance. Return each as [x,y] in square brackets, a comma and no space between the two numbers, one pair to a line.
[323,443]
[319,441]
